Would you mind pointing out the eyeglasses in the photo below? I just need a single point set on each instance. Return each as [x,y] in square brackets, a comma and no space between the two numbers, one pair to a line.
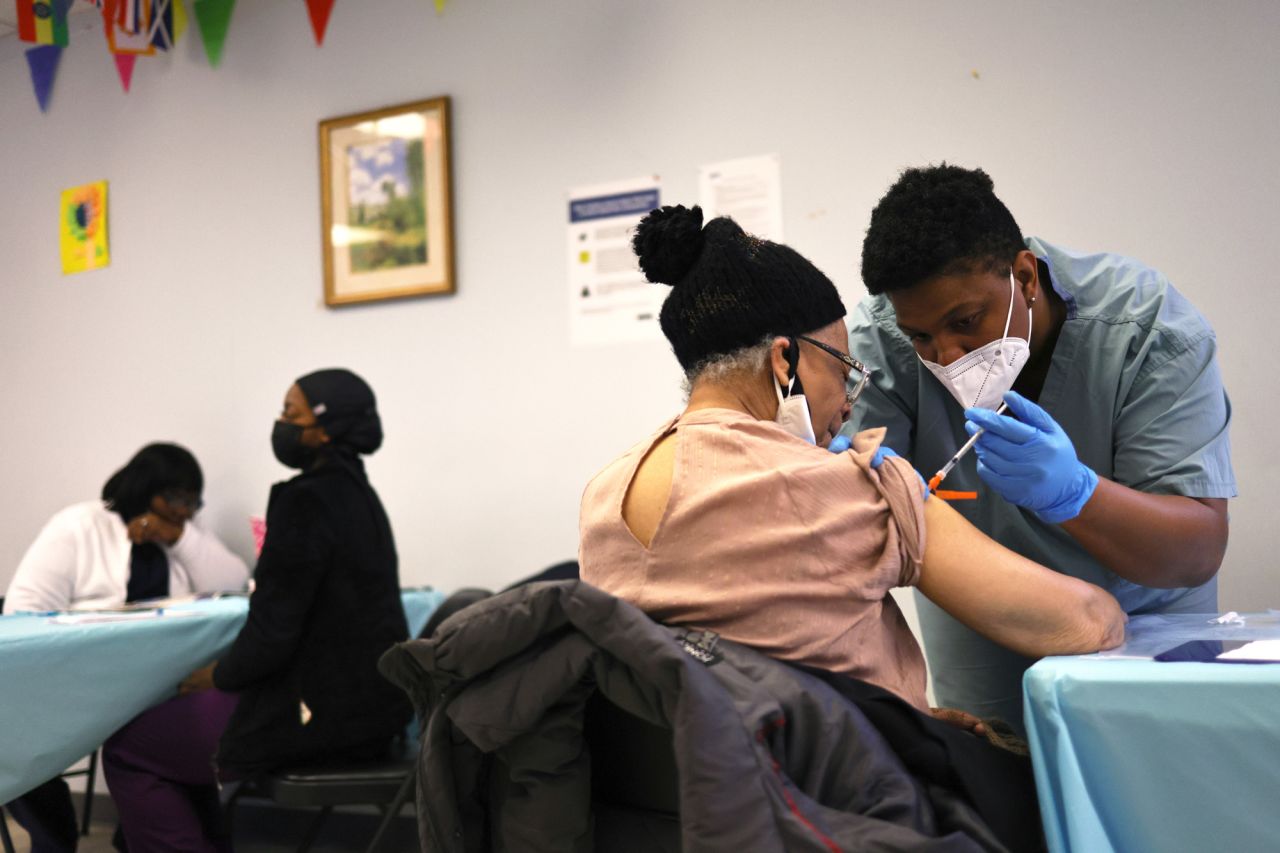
[848,361]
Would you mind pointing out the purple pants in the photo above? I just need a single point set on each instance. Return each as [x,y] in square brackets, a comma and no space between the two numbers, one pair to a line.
[159,768]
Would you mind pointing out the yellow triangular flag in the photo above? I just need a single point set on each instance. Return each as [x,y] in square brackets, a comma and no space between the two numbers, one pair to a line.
[179,20]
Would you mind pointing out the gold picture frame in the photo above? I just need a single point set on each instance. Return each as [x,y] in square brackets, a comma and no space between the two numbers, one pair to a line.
[386,203]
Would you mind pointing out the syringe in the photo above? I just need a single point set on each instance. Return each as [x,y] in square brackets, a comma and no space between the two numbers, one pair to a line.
[965,448]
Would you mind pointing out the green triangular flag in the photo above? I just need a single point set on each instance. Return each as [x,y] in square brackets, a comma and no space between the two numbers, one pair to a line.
[213,16]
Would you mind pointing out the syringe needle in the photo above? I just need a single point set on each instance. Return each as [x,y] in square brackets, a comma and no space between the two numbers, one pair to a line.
[937,478]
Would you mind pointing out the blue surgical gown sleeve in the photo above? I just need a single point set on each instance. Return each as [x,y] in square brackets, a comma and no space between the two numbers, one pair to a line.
[1171,427]
[890,398]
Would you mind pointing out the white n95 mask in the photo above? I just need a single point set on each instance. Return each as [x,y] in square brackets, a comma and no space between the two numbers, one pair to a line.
[979,379]
[793,412]
[793,409]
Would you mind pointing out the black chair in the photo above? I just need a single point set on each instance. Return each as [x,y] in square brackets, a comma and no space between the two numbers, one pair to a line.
[91,777]
[90,773]
[388,784]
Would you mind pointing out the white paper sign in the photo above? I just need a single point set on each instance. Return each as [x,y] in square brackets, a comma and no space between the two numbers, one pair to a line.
[610,300]
[749,190]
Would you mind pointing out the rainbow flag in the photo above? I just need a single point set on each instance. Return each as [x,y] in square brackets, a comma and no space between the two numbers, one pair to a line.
[43,21]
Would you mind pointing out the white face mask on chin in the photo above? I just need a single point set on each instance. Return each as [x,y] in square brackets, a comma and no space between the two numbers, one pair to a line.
[793,412]
[1003,359]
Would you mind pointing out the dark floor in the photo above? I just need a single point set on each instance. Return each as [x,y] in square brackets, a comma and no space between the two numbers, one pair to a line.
[263,828]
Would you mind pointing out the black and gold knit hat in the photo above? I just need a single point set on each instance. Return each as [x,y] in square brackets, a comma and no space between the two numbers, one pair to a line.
[729,289]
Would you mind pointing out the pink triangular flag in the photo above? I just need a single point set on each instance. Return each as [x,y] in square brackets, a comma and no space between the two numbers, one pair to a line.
[124,67]
[319,11]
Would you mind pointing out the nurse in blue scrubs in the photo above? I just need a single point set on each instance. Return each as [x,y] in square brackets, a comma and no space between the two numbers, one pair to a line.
[1112,463]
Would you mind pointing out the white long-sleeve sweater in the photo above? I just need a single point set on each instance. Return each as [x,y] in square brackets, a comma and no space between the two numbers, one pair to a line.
[81,560]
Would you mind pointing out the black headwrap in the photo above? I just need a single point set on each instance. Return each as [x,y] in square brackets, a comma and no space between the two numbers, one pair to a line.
[344,405]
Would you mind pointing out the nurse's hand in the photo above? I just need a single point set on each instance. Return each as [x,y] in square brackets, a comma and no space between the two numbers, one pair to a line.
[883,452]
[1031,462]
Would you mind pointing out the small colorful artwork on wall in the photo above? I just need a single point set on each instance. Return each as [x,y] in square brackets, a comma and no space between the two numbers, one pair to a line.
[83,228]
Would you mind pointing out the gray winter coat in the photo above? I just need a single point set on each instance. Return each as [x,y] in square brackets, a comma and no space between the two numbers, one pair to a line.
[769,757]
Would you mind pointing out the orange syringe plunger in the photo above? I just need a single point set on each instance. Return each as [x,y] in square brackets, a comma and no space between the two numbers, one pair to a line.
[948,495]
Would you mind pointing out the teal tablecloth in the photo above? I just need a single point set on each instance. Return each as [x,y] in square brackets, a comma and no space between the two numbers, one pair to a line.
[65,688]
[1135,755]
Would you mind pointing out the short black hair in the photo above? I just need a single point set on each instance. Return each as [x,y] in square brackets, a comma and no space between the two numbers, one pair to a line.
[153,470]
[933,221]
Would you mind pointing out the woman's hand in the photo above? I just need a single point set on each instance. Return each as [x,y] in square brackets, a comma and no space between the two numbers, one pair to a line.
[153,527]
[201,679]
[960,719]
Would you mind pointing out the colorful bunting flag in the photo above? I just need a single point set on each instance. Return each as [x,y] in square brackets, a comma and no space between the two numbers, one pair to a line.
[43,62]
[124,67]
[214,17]
[164,23]
[136,28]
[319,11]
[179,20]
[127,25]
[43,21]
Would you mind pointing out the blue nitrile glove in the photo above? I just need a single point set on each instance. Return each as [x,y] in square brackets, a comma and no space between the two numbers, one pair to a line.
[1031,461]
[882,453]
[840,444]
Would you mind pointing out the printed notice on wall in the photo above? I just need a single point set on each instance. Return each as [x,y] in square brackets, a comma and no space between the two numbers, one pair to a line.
[749,190]
[610,300]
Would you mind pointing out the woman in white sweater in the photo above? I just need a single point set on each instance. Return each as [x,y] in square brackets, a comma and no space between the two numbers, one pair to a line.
[138,542]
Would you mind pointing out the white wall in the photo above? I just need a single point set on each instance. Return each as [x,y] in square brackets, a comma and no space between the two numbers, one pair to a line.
[1148,128]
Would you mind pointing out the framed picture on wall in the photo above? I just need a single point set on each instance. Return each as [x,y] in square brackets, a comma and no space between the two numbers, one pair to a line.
[386,203]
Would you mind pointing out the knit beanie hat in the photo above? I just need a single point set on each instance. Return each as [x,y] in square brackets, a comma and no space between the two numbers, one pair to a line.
[729,289]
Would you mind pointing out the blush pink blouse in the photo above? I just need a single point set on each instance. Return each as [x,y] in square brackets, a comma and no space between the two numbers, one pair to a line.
[773,543]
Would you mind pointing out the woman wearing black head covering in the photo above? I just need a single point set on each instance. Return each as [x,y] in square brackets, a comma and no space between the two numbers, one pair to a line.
[327,601]
[325,606]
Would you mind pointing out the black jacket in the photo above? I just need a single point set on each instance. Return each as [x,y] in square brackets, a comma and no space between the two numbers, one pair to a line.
[325,606]
[768,757]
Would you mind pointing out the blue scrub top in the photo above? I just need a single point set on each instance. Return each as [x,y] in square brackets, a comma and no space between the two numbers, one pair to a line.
[1133,381]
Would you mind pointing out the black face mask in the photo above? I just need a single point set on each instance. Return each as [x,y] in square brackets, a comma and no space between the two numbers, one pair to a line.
[286,443]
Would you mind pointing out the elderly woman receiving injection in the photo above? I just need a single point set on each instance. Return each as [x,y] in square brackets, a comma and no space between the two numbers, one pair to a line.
[734,517]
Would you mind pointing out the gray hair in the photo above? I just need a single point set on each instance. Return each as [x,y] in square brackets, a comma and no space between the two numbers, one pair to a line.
[726,367]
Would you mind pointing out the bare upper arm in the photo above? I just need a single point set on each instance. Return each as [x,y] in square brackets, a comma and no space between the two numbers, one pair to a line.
[1009,599]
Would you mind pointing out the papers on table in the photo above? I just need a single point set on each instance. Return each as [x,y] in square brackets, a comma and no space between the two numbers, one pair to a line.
[1264,650]
[138,606]
[91,617]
